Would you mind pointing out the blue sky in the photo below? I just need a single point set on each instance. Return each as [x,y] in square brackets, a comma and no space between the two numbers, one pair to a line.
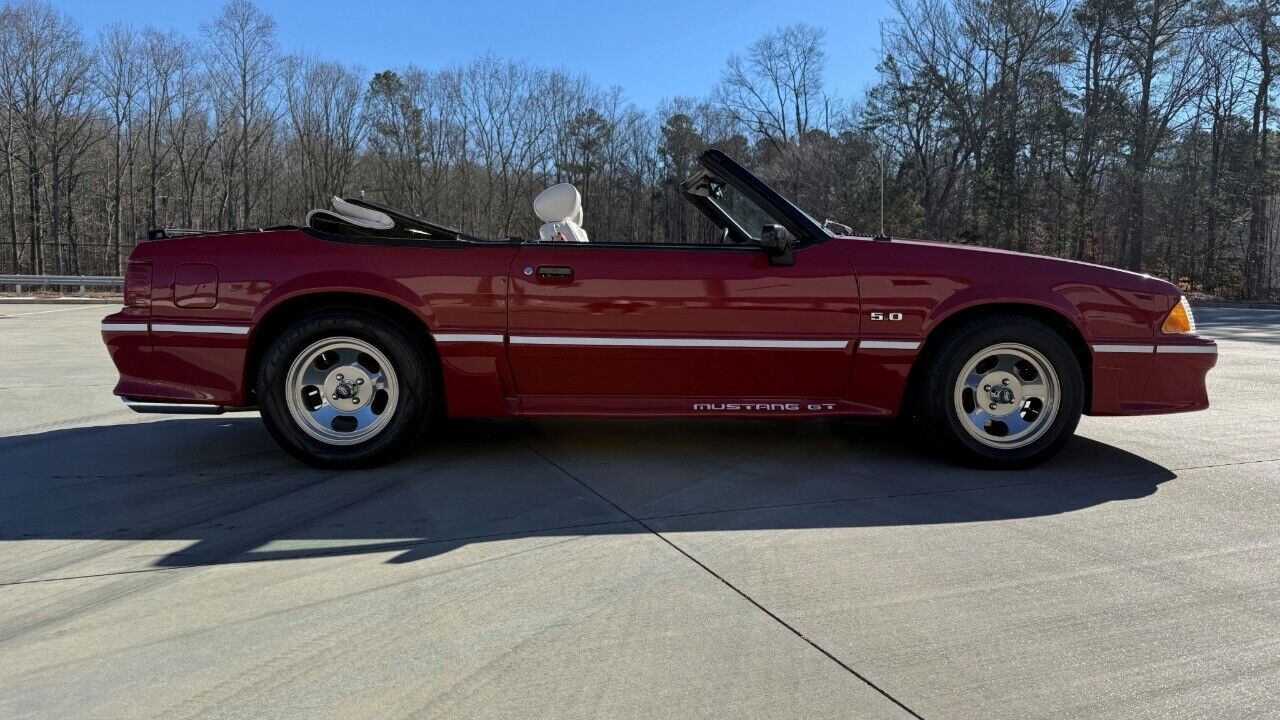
[652,49]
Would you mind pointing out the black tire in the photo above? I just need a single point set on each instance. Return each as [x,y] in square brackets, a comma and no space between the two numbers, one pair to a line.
[414,407]
[939,418]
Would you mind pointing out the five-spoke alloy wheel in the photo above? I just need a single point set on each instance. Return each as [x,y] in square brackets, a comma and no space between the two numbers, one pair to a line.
[1007,395]
[1003,391]
[342,391]
[344,388]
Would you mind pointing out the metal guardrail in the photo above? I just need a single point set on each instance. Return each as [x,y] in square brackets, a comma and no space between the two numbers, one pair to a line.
[80,281]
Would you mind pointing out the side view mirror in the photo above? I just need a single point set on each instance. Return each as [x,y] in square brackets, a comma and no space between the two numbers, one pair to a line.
[778,244]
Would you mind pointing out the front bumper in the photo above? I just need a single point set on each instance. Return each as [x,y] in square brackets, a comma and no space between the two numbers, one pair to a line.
[1147,379]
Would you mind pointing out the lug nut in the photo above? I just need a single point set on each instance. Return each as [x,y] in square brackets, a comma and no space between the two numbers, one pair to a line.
[1005,381]
[992,406]
[986,388]
[355,401]
[360,381]
[339,376]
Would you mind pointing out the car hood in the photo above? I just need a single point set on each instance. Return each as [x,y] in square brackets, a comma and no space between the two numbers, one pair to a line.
[1002,260]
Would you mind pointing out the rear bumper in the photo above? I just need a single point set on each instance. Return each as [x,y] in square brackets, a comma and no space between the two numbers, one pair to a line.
[167,362]
[1165,377]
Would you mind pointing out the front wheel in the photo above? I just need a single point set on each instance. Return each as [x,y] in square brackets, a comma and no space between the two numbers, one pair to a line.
[344,389]
[1002,392]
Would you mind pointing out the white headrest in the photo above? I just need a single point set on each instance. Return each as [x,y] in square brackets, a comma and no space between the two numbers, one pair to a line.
[559,203]
[362,216]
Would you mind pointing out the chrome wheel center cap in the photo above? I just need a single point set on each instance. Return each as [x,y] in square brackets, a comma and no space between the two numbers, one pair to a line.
[1004,393]
[343,386]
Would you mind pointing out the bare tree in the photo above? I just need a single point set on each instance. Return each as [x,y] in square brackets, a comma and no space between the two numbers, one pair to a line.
[502,108]
[9,98]
[49,66]
[1167,72]
[1224,77]
[188,132]
[776,89]
[164,59]
[326,125]
[119,77]
[1259,37]
[243,68]
[1100,71]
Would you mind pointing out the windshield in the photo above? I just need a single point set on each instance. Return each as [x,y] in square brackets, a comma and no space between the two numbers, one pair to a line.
[748,216]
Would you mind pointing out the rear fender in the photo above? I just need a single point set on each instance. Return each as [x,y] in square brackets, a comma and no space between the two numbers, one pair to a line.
[354,283]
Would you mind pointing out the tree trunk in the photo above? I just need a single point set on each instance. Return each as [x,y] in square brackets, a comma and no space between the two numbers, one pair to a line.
[118,175]
[1255,263]
[13,199]
[73,251]
[1140,159]
[33,205]
[1211,222]
[55,203]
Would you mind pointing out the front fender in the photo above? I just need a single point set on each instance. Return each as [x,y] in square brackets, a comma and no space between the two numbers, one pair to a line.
[1003,293]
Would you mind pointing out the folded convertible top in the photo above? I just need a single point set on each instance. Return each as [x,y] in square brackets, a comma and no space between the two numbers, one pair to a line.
[360,217]
[345,212]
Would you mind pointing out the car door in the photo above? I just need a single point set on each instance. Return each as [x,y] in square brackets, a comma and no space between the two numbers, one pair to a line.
[635,328]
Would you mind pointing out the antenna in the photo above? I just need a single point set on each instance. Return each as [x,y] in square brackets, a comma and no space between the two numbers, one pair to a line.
[882,173]
[882,158]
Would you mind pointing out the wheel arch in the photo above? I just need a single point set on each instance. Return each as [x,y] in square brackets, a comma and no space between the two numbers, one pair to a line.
[1052,317]
[275,319]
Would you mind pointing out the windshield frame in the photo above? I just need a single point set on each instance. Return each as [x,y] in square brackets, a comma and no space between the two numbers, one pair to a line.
[717,166]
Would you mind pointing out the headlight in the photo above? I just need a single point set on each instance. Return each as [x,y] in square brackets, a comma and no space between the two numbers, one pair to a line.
[1180,319]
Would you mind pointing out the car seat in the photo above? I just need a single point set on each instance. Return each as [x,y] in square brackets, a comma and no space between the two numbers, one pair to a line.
[560,207]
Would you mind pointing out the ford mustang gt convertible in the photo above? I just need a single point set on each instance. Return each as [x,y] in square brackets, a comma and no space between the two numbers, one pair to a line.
[355,333]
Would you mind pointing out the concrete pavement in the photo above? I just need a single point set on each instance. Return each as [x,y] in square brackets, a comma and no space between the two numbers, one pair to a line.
[176,568]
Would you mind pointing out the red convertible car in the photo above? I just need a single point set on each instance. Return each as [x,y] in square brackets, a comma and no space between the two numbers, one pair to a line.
[353,334]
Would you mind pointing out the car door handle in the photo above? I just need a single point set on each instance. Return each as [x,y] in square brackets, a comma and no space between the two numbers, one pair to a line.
[555,273]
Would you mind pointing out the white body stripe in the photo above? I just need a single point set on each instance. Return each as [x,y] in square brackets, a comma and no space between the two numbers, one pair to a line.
[1206,349]
[680,342]
[656,342]
[1123,348]
[124,327]
[888,345]
[468,337]
[201,329]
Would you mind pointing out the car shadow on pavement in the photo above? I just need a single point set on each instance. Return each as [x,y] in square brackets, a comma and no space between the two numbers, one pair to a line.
[215,491]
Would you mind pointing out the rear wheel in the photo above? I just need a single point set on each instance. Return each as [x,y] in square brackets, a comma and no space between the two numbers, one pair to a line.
[344,389]
[1003,392]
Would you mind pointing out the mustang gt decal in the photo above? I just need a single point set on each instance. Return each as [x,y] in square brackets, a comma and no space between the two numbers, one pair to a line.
[763,407]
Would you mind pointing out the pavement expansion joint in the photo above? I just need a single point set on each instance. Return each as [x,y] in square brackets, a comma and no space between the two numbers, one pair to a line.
[772,615]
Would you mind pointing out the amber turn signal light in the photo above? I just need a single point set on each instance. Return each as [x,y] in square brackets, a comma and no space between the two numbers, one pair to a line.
[1180,319]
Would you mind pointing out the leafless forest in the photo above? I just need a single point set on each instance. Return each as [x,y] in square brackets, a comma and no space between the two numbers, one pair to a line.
[1129,133]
